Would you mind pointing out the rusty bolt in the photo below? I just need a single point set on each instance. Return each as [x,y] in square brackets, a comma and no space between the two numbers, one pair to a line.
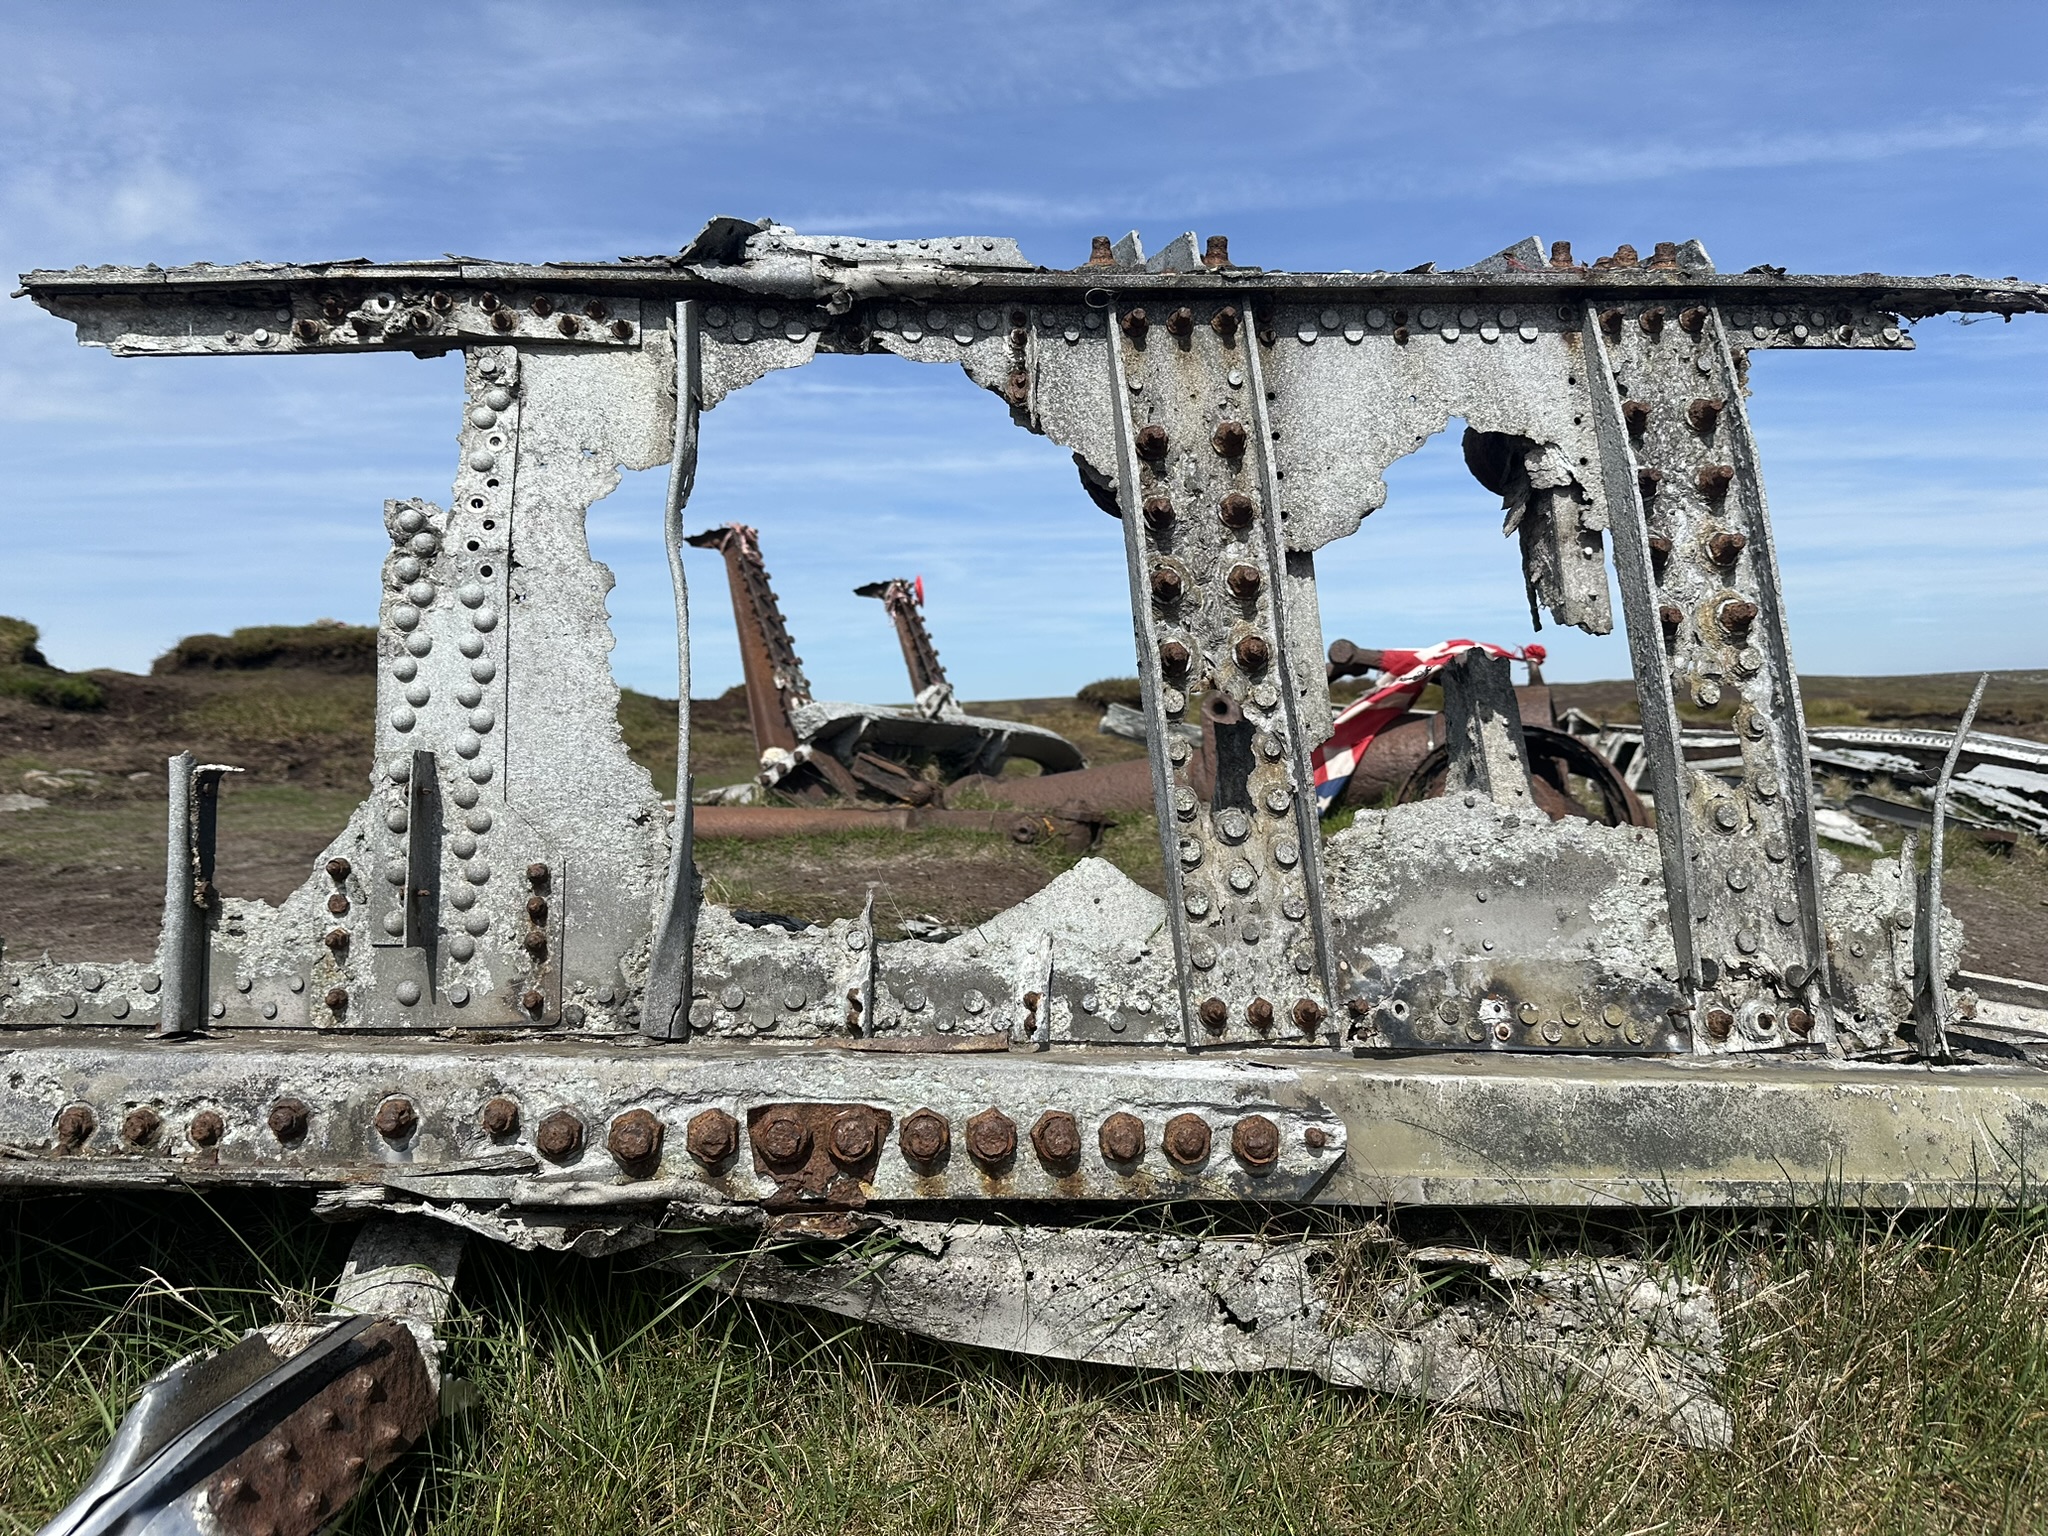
[1636,415]
[1660,549]
[1228,439]
[75,1125]
[782,1138]
[537,908]
[1694,321]
[537,876]
[289,1119]
[1173,658]
[1225,322]
[1316,1137]
[1652,322]
[1624,255]
[925,1137]
[1057,1139]
[1260,1014]
[337,869]
[1734,615]
[1561,253]
[1237,511]
[1166,584]
[140,1125]
[489,302]
[441,300]
[1135,324]
[1187,1139]
[559,1136]
[1713,480]
[396,1118]
[992,1138]
[532,1000]
[1100,252]
[1122,1138]
[1214,1014]
[1253,653]
[206,1128]
[1610,322]
[332,307]
[500,1117]
[306,330]
[1158,513]
[1217,252]
[1244,582]
[1665,256]
[1647,481]
[1400,336]
[1723,547]
[503,320]
[1719,1022]
[1670,617]
[1181,322]
[1256,1141]
[337,939]
[569,325]
[1308,1013]
[536,943]
[338,904]
[634,1140]
[542,305]
[712,1137]
[336,998]
[854,1137]
[1799,1021]
[419,320]
[1703,414]
[1152,442]
[1017,388]
[595,310]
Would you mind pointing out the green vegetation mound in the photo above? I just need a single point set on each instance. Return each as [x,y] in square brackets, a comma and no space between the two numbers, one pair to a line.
[1111,690]
[325,645]
[26,674]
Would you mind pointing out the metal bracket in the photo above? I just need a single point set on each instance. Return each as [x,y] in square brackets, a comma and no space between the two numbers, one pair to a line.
[191,904]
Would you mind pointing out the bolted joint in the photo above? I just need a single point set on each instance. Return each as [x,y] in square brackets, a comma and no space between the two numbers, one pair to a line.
[634,1140]
[1226,321]
[1735,615]
[338,904]
[542,305]
[622,330]
[1693,322]
[1723,547]
[1664,258]
[396,1118]
[1610,322]
[926,1138]
[1670,617]
[1308,1014]
[1260,1014]
[1187,1140]
[532,1000]
[537,876]
[855,1137]
[782,1138]
[206,1128]
[1647,481]
[1228,439]
[1660,554]
[1100,252]
[1121,1138]
[1134,324]
[1158,513]
[1174,658]
[1652,323]
[1152,442]
[1181,322]
[1636,414]
[1057,1139]
[338,869]
[1713,480]
[1255,1141]
[537,908]
[1561,254]
[289,1120]
[336,999]
[500,1118]
[1017,388]
[1243,581]
[336,940]
[992,1139]
[74,1127]
[559,1136]
[535,943]
[1214,1014]
[1719,1022]
[1253,653]
[712,1137]
[1799,1021]
[1237,511]
[1702,415]
[1166,584]
[306,330]
[503,320]
[1216,253]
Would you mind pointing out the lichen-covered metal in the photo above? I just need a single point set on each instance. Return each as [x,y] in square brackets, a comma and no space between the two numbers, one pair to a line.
[514,872]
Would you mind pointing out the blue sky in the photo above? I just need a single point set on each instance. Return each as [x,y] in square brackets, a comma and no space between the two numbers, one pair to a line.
[143,500]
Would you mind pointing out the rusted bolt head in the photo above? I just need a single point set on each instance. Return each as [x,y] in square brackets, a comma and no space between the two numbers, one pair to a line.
[568,325]
[1122,1138]
[1316,1137]
[1217,252]
[306,330]
[925,1137]
[1636,415]
[1702,414]
[1056,1139]
[542,305]
[1260,1014]
[1693,321]
[1308,1013]
[500,1117]
[503,320]
[1670,617]
[1719,1022]
[1100,252]
[1665,256]
[1652,322]
[854,1138]
[288,1120]
[75,1125]
[1647,481]
[140,1125]
[1158,513]
[537,908]
[337,869]
[532,1000]
[1228,439]
[1237,511]
[1713,480]
[441,300]
[338,904]
[1173,658]
[595,309]
[1799,1021]
[1152,442]
[1735,615]
[712,1137]
[537,876]
[1214,1014]
[396,1118]
[992,1138]
[1610,322]
[1181,322]
[634,1139]
[622,330]
[782,1138]
[1135,324]
[559,1136]
[1561,253]
[1660,547]
[1624,256]
[1723,547]
[1225,321]
[1017,388]
[1256,1142]
[337,939]
[419,320]
[1244,582]
[336,998]
[536,942]
[1400,336]
[1187,1139]
[1253,653]
[206,1128]
[1166,584]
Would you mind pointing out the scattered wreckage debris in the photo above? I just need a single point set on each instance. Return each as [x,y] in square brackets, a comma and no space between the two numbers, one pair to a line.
[500,994]
[1072,827]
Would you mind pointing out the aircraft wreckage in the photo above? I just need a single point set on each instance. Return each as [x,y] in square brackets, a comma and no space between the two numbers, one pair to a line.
[499,1003]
